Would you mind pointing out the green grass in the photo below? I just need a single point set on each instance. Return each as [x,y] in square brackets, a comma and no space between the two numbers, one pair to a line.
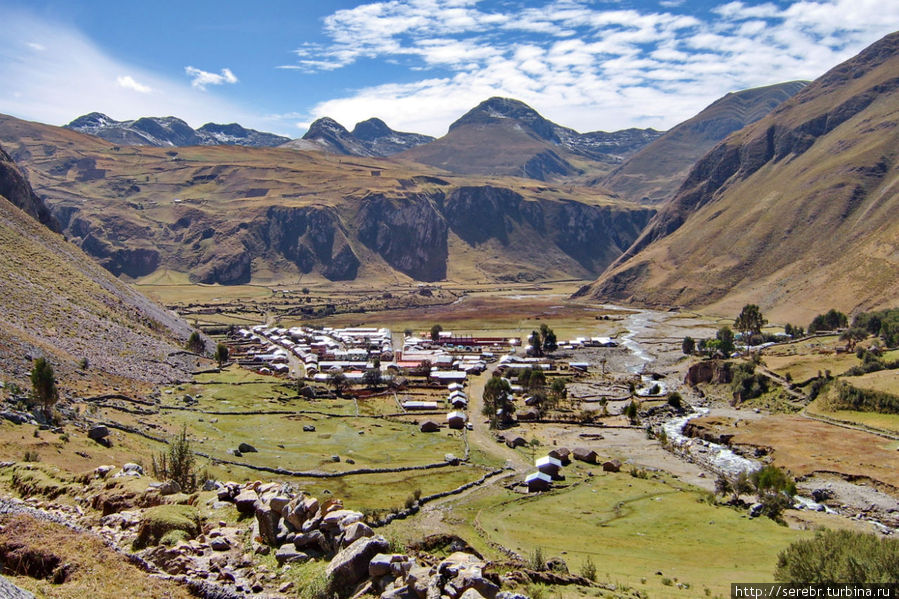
[887,422]
[167,522]
[632,528]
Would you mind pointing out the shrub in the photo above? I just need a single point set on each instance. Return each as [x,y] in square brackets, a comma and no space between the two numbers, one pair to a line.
[177,463]
[675,400]
[830,321]
[221,354]
[588,569]
[31,456]
[688,345]
[195,343]
[537,562]
[840,555]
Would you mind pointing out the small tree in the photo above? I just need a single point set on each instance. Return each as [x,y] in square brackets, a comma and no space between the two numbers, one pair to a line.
[221,354]
[195,343]
[537,381]
[557,388]
[675,400]
[372,378]
[435,332]
[853,336]
[688,345]
[177,463]
[549,343]
[725,338]
[536,343]
[340,383]
[750,320]
[496,398]
[632,412]
[43,383]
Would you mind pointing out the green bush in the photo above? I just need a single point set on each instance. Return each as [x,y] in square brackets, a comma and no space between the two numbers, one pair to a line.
[588,569]
[842,556]
[843,396]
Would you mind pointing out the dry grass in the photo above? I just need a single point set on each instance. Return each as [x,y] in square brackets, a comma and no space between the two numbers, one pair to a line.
[805,447]
[34,552]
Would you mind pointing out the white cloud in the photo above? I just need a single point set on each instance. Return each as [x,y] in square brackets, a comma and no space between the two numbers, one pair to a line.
[36,46]
[584,64]
[128,82]
[72,76]
[200,79]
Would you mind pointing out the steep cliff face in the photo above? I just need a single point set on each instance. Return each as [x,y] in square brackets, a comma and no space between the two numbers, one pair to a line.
[15,188]
[795,212]
[311,237]
[408,233]
[478,214]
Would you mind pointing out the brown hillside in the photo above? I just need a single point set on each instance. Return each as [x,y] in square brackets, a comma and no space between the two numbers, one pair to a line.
[231,215]
[798,212]
[57,302]
[656,172]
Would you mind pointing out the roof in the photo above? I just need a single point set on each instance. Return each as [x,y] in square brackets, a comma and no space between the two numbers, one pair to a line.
[452,415]
[538,476]
[548,460]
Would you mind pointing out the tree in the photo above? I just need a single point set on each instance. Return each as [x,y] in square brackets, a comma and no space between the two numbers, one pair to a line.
[221,354]
[340,383]
[497,393]
[632,411]
[195,343]
[725,338]
[549,342]
[536,343]
[774,489]
[853,335]
[830,321]
[372,378]
[558,388]
[537,381]
[688,345]
[435,332]
[43,384]
[750,321]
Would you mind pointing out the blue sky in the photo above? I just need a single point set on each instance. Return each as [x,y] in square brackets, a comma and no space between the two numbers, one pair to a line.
[417,64]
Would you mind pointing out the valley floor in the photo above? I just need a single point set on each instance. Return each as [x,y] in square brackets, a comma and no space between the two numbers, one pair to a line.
[652,529]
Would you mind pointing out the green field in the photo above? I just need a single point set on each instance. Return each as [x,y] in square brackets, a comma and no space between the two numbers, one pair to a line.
[632,528]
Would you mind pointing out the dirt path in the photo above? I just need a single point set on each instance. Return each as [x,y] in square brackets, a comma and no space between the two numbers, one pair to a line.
[480,436]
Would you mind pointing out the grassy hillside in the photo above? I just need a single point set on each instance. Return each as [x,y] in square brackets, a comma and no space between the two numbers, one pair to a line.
[655,172]
[59,303]
[796,212]
[232,215]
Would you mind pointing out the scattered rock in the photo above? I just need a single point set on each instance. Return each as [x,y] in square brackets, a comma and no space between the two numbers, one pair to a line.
[246,448]
[308,428]
[98,433]
[220,544]
[169,487]
[288,554]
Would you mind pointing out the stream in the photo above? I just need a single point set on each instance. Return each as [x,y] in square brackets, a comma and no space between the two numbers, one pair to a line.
[713,456]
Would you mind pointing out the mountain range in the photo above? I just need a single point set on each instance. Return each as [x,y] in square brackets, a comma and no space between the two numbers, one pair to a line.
[792,206]
[171,131]
[506,137]
[369,138]
[796,212]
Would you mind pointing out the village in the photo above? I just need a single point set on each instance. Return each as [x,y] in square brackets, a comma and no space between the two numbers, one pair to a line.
[428,374]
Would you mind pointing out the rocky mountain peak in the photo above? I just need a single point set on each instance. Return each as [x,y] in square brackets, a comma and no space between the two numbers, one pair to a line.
[371,129]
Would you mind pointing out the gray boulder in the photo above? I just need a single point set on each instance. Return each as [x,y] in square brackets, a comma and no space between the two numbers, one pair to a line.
[350,566]
[169,487]
[246,448]
[288,554]
[268,520]
[220,544]
[354,532]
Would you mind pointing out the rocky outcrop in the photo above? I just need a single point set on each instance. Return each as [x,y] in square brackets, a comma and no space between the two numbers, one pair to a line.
[408,233]
[715,372]
[15,188]
[368,138]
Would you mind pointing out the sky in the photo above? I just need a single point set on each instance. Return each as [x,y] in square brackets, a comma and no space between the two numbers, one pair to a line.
[276,65]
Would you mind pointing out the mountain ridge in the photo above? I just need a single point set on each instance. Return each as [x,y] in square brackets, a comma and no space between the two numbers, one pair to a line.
[170,132]
[823,161]
[369,138]
[656,171]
